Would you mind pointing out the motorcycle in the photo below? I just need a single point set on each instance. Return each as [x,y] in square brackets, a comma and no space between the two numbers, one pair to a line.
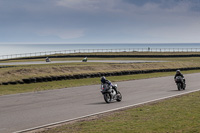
[110,94]
[180,83]
[48,60]
[85,59]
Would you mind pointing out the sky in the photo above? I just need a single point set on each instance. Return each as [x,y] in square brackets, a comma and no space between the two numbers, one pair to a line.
[99,21]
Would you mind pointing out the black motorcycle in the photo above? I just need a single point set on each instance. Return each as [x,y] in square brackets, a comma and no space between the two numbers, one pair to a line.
[110,94]
[180,82]
[48,60]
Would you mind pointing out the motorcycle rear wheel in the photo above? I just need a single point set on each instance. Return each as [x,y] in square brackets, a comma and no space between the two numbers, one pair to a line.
[119,97]
[184,86]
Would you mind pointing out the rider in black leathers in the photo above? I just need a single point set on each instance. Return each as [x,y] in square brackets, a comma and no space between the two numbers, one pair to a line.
[105,81]
[178,73]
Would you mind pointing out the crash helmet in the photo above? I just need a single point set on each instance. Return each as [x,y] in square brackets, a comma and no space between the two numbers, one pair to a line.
[178,71]
[103,79]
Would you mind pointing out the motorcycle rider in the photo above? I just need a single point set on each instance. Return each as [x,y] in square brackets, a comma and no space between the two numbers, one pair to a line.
[178,73]
[47,59]
[105,81]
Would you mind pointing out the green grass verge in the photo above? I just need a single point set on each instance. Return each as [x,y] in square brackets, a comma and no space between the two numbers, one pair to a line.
[177,115]
[22,88]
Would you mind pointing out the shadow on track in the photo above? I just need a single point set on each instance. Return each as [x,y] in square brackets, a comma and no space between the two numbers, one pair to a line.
[96,103]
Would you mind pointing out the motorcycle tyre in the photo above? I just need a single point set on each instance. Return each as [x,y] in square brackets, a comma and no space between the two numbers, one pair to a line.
[179,86]
[119,97]
[184,87]
[107,97]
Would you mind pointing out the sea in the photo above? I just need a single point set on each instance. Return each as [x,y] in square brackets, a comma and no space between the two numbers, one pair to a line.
[9,49]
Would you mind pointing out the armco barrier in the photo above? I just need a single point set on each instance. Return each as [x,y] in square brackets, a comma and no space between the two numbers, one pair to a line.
[92,75]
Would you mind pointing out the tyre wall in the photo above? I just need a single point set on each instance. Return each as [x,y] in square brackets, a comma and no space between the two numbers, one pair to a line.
[92,75]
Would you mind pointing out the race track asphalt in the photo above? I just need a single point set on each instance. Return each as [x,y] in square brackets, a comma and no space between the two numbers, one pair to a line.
[28,110]
[77,61]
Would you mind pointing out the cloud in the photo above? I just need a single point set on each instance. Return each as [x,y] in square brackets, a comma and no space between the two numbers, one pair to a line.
[62,33]
[177,33]
[100,20]
[126,5]
[81,4]
[91,5]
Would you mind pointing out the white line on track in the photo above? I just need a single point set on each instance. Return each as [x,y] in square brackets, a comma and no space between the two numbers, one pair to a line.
[60,122]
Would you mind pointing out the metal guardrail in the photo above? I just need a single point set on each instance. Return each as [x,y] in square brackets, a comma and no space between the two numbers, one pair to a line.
[99,51]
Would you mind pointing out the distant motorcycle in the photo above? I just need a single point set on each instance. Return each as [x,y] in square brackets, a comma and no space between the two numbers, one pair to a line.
[180,83]
[85,59]
[48,60]
[110,94]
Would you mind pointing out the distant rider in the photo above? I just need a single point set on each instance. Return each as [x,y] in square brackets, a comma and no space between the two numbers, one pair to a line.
[105,81]
[84,59]
[178,73]
[47,59]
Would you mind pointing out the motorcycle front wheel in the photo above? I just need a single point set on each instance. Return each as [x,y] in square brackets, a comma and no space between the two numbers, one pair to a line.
[107,97]
[184,86]
[179,86]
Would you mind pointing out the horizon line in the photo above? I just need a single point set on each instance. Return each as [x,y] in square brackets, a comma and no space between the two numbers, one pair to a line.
[46,43]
